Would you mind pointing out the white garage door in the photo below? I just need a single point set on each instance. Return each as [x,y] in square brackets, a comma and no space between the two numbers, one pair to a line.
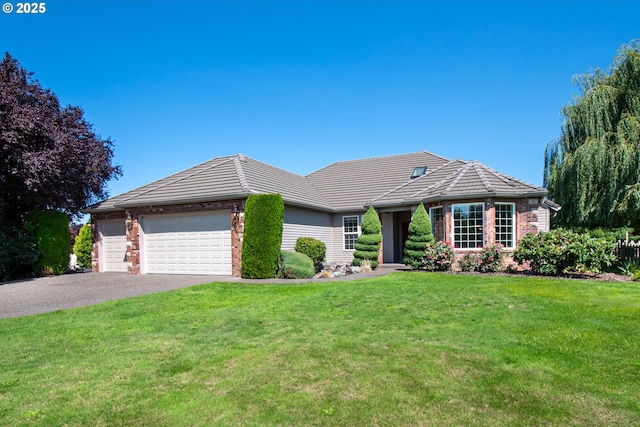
[187,244]
[113,245]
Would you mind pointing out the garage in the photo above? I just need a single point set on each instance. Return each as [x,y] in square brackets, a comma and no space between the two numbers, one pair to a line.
[186,243]
[113,245]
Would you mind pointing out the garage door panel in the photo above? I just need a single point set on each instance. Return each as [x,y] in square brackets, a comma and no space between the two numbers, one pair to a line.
[113,245]
[196,223]
[187,244]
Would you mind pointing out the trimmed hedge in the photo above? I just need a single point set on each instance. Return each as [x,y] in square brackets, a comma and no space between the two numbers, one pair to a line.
[263,222]
[368,244]
[420,236]
[296,265]
[82,246]
[313,248]
[54,240]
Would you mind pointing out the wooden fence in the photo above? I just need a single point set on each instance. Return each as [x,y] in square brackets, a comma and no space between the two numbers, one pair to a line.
[628,251]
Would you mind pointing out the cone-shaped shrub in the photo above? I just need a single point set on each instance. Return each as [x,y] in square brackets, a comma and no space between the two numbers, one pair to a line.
[420,236]
[368,244]
[82,246]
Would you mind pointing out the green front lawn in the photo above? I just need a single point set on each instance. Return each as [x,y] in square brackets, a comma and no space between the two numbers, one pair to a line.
[405,349]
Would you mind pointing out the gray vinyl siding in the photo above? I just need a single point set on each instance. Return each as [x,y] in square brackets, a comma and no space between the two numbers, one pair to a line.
[299,222]
[335,251]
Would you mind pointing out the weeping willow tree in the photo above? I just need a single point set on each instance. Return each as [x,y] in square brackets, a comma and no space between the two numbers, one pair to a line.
[593,169]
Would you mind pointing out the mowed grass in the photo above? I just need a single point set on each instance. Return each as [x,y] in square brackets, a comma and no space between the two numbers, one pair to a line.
[405,349]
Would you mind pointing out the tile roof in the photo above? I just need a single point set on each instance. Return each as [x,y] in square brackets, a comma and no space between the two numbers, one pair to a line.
[457,179]
[341,186]
[219,179]
[351,184]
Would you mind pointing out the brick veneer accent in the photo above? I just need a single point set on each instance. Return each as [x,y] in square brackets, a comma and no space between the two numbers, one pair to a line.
[526,222]
[237,232]
[526,217]
[132,229]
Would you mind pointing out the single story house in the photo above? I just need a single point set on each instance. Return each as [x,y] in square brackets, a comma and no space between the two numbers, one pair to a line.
[192,222]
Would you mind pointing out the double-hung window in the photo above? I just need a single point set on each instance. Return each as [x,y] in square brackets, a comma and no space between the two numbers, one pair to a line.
[350,231]
[468,226]
[505,221]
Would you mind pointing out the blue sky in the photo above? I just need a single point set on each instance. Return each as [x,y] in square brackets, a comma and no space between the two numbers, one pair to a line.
[302,84]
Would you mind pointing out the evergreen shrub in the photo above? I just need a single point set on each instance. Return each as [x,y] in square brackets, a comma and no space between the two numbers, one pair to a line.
[368,244]
[295,265]
[263,221]
[82,246]
[54,240]
[19,251]
[313,248]
[420,235]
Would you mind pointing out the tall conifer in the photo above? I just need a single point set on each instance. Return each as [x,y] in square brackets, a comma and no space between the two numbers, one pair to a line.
[593,169]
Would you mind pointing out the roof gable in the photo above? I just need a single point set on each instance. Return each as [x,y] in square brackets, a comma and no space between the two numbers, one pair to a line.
[218,179]
[457,179]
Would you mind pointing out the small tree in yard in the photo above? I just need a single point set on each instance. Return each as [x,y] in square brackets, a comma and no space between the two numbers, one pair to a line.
[368,244]
[82,246]
[420,235]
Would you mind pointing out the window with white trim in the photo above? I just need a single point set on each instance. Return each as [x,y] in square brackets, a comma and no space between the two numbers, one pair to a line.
[468,226]
[350,231]
[505,224]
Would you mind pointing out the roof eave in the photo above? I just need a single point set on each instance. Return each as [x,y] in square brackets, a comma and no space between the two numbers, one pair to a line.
[90,210]
[437,198]
[159,202]
[309,206]
[132,203]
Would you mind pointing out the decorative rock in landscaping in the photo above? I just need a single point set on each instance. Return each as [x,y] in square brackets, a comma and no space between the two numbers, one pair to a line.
[332,269]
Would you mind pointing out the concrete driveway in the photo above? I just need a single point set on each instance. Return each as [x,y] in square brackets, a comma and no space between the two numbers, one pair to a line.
[46,294]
